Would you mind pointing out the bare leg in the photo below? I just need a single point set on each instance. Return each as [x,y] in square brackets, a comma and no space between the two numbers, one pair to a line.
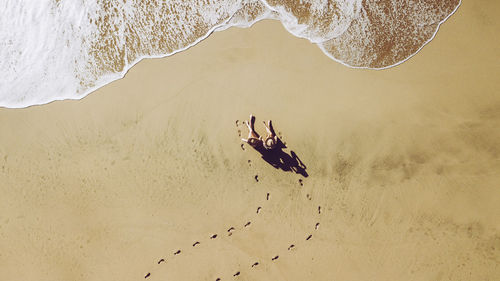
[251,129]
[270,129]
[252,122]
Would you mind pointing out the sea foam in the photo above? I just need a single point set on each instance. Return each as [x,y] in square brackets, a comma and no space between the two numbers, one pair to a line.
[65,49]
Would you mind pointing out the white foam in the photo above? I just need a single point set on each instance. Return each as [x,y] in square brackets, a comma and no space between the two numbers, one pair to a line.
[327,53]
[64,49]
[315,31]
[38,57]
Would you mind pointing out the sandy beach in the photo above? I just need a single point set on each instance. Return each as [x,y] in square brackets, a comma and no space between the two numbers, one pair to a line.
[403,166]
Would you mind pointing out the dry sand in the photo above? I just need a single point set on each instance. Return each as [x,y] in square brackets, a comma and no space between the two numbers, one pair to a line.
[404,163]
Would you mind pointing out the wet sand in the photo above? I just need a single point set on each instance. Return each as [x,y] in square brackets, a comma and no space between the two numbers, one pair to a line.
[402,166]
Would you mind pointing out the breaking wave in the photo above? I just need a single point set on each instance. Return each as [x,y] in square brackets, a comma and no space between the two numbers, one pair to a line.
[65,49]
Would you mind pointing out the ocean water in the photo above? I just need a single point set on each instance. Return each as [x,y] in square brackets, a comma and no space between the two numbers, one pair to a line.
[65,49]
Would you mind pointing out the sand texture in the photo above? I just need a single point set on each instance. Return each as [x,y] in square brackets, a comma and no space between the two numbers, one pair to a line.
[403,162]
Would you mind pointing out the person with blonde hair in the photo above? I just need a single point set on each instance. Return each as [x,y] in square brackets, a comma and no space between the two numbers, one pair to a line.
[271,141]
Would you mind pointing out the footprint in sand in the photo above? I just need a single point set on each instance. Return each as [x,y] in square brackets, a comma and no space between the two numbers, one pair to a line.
[300,182]
[231,229]
[242,146]
[256,178]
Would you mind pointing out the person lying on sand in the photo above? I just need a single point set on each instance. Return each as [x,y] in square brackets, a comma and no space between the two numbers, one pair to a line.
[253,139]
[271,140]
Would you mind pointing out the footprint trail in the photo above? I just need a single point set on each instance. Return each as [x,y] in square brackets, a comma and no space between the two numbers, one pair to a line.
[259,210]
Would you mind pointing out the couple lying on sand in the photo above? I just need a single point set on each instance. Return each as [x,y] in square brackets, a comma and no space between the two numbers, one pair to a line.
[271,149]
[256,141]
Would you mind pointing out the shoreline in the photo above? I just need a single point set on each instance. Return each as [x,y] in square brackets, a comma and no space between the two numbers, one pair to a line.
[112,77]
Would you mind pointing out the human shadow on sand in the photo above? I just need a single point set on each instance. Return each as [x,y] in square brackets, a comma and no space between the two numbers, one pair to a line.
[279,159]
